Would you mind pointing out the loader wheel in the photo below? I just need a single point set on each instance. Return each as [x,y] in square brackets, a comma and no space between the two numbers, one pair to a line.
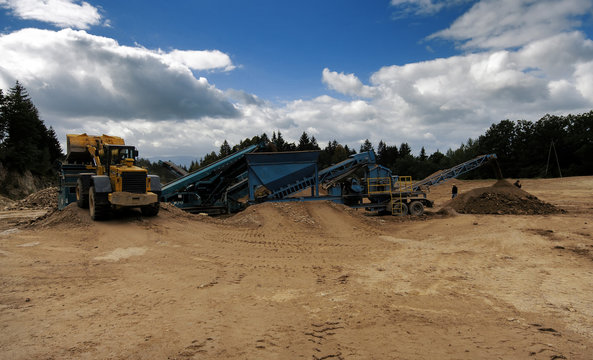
[82,194]
[416,208]
[150,210]
[98,205]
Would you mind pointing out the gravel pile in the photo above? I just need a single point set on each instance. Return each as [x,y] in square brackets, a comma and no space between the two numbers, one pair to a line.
[44,199]
[502,198]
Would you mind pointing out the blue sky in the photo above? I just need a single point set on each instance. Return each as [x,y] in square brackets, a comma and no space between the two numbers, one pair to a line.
[178,78]
[281,46]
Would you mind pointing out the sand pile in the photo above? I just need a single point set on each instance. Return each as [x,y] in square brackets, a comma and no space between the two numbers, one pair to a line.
[71,215]
[298,212]
[43,199]
[172,211]
[502,198]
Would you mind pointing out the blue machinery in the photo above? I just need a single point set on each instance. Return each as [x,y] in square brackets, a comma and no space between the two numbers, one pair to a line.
[249,177]
[211,189]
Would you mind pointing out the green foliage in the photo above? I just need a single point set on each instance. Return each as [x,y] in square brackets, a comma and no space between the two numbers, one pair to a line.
[524,149]
[527,149]
[307,144]
[25,142]
[366,146]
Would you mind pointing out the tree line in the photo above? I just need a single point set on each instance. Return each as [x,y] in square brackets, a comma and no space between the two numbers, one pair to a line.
[26,144]
[549,147]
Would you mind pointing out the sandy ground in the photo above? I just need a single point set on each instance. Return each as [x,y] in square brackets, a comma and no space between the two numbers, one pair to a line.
[305,280]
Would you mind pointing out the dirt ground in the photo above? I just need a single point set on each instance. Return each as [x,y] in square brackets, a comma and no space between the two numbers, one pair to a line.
[303,280]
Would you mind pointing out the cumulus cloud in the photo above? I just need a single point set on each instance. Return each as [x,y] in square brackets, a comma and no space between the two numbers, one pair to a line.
[500,24]
[71,72]
[347,84]
[153,98]
[201,60]
[61,13]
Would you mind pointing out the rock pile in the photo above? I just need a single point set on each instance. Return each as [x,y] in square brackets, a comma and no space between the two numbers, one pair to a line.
[44,199]
[502,198]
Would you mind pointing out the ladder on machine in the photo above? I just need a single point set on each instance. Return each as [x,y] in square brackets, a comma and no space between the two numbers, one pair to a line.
[404,183]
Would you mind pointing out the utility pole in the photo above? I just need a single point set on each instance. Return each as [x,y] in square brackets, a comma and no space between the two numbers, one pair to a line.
[552,146]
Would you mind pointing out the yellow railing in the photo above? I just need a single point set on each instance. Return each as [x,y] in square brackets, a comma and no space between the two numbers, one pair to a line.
[403,183]
[379,185]
[382,185]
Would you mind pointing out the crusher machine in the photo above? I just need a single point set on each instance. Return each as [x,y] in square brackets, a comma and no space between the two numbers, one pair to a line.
[250,177]
[357,181]
[214,189]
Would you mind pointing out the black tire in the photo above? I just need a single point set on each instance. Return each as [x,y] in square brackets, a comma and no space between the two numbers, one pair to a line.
[82,194]
[400,208]
[416,208]
[98,205]
[150,210]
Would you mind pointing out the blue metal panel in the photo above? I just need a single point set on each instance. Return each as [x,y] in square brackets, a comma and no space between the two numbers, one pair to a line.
[69,174]
[189,179]
[343,169]
[282,173]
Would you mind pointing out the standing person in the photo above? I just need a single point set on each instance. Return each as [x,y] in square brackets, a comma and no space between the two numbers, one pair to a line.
[517,184]
[453,191]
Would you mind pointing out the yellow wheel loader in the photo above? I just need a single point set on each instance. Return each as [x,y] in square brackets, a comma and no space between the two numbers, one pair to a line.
[102,172]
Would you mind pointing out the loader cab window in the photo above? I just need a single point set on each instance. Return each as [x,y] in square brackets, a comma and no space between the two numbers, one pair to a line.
[116,155]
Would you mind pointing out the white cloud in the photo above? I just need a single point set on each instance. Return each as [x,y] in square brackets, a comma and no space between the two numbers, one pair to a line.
[437,104]
[202,60]
[86,83]
[500,24]
[73,73]
[347,84]
[62,13]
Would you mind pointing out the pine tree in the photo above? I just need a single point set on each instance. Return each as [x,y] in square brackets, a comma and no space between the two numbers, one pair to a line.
[27,143]
[422,156]
[304,142]
[366,146]
[225,149]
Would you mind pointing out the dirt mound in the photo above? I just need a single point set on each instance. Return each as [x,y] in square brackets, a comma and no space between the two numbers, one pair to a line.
[279,213]
[43,199]
[502,198]
[171,211]
[71,215]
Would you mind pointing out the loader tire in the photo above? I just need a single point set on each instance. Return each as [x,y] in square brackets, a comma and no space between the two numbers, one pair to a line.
[98,205]
[82,194]
[416,208]
[150,210]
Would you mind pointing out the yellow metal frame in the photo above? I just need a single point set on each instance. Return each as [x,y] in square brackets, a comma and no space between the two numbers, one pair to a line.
[379,185]
[403,182]
[382,185]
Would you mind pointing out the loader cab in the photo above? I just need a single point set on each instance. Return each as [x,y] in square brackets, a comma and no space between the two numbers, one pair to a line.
[120,155]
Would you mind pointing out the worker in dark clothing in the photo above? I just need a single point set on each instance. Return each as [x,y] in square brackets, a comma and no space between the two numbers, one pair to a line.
[517,184]
[453,191]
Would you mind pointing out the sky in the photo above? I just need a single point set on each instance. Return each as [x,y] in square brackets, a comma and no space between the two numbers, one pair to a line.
[177,78]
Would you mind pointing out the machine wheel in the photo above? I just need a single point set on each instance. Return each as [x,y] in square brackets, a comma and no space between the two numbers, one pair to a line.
[416,208]
[82,194]
[397,210]
[150,210]
[98,205]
